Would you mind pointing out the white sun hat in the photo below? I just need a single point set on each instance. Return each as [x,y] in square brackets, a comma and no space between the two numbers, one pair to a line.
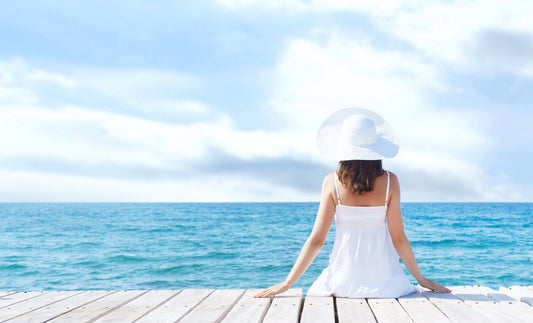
[357,133]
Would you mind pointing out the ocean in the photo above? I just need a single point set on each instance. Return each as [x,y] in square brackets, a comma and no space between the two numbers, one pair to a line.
[124,246]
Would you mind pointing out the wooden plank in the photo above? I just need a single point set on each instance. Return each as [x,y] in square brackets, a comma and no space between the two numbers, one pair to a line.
[454,307]
[318,309]
[285,307]
[485,305]
[501,297]
[388,310]
[520,293]
[177,306]
[420,309]
[100,307]
[53,310]
[214,307]
[248,309]
[508,304]
[139,307]
[354,310]
[496,295]
[11,299]
[2,294]
[17,309]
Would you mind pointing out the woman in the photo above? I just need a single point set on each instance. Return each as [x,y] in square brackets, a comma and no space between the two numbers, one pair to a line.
[365,200]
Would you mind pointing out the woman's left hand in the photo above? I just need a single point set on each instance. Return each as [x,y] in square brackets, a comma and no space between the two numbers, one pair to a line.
[273,290]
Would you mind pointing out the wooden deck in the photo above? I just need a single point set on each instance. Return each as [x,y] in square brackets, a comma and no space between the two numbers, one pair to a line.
[465,304]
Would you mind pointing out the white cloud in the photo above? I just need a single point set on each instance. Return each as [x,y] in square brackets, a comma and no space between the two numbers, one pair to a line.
[18,95]
[150,92]
[16,72]
[311,80]
[314,78]
[155,123]
[90,153]
[272,4]
[498,50]
[306,5]
[20,186]
[442,31]
[76,133]
[369,6]
[445,31]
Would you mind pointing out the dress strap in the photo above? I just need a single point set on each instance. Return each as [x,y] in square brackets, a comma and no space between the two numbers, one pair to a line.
[337,189]
[388,182]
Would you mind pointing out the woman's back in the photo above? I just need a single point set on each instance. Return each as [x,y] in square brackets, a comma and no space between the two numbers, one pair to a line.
[376,197]
[363,261]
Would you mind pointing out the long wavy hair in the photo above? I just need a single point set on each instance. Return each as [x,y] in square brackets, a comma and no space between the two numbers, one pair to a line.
[359,175]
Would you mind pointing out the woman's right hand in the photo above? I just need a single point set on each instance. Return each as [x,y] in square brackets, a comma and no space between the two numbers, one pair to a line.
[273,290]
[433,286]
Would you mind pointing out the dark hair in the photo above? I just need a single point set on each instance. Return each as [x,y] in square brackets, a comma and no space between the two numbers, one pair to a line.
[359,175]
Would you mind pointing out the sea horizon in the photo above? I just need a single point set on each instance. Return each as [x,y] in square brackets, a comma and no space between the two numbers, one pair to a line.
[179,245]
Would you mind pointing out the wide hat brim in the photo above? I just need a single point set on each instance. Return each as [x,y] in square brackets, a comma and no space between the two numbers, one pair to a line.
[332,144]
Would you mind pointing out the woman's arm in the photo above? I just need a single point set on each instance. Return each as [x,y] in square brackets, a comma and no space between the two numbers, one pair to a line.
[313,244]
[400,241]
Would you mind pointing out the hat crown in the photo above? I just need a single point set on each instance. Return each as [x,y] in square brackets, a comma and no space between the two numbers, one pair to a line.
[358,130]
[357,134]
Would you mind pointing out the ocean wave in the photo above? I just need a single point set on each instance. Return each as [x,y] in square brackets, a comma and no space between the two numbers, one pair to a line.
[177,269]
[12,267]
[126,259]
[441,242]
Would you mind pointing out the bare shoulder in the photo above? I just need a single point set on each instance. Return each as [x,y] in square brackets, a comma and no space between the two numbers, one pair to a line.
[394,181]
[328,188]
[393,176]
[328,181]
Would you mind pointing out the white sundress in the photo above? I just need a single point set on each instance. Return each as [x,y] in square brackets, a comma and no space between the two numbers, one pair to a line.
[363,262]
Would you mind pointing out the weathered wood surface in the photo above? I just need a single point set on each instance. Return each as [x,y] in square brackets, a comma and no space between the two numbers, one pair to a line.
[354,310]
[94,310]
[388,310]
[520,293]
[464,304]
[285,307]
[215,306]
[248,309]
[139,307]
[19,308]
[318,309]
[420,309]
[53,310]
[490,308]
[177,307]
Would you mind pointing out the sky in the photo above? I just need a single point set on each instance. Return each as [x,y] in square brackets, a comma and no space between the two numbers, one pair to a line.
[211,101]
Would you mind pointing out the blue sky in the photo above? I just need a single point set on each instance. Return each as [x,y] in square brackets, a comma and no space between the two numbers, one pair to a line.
[221,100]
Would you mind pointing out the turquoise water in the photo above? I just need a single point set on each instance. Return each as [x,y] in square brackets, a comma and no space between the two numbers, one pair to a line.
[73,246]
